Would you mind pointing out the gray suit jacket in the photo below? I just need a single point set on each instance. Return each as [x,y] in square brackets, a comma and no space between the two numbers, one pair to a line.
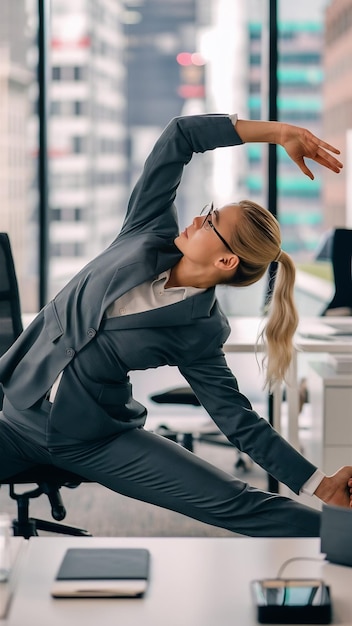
[189,334]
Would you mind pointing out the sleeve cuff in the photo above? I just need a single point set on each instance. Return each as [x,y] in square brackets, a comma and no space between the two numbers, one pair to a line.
[233,118]
[312,483]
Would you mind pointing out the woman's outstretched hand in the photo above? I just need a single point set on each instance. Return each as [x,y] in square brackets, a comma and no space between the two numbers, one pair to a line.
[300,143]
[337,489]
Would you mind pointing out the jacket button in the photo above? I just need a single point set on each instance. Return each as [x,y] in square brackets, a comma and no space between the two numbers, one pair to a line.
[70,352]
[91,332]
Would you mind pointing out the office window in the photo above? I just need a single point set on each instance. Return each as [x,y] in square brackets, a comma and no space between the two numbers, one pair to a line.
[56,73]
[80,73]
[69,181]
[55,107]
[79,145]
[66,214]
[80,107]
[67,249]
[19,141]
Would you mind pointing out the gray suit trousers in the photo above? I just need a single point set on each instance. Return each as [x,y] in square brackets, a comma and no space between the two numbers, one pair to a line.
[148,467]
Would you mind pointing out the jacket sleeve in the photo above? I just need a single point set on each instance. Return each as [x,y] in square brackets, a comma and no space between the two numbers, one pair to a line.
[217,390]
[151,207]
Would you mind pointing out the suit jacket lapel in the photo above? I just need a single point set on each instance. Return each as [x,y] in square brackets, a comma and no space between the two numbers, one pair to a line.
[152,262]
[178,314]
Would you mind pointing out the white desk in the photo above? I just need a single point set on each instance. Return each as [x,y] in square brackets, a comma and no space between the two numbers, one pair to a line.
[330,443]
[17,546]
[243,338]
[193,582]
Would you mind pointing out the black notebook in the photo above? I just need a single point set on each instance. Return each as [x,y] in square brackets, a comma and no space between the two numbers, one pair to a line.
[102,572]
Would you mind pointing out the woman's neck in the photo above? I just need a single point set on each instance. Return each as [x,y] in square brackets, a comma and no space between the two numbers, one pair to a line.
[181,277]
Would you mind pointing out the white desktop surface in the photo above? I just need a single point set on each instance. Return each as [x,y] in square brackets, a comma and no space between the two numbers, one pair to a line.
[244,331]
[243,338]
[193,582]
[7,589]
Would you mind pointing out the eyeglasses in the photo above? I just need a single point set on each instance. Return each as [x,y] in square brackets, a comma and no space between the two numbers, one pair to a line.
[208,223]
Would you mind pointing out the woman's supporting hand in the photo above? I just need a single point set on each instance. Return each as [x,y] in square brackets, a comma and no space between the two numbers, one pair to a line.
[337,489]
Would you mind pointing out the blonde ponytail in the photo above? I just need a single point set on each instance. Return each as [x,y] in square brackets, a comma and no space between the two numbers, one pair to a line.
[281,323]
[256,238]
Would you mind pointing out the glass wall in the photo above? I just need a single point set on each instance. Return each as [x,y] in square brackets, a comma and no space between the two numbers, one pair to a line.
[300,44]
[18,141]
[115,82]
[118,71]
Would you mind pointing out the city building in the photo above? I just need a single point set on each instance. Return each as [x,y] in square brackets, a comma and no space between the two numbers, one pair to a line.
[337,117]
[87,132]
[165,78]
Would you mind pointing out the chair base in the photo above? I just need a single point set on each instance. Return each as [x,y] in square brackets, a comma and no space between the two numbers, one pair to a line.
[25,526]
[29,528]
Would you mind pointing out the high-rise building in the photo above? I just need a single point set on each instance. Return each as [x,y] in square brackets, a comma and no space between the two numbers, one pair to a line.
[156,32]
[87,132]
[162,80]
[338,110]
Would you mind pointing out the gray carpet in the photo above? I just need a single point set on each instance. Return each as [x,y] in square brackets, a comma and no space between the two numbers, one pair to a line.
[105,513]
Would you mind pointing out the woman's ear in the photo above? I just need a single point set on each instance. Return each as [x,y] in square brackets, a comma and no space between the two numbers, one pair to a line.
[227,263]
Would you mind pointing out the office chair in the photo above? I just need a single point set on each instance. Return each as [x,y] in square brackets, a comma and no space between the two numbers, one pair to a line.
[49,479]
[341,258]
[177,395]
[10,310]
[185,396]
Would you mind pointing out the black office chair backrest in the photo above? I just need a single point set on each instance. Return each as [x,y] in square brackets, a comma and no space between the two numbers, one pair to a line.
[341,259]
[49,479]
[10,309]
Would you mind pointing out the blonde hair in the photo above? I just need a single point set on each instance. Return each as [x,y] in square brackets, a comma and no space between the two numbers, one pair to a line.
[256,240]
